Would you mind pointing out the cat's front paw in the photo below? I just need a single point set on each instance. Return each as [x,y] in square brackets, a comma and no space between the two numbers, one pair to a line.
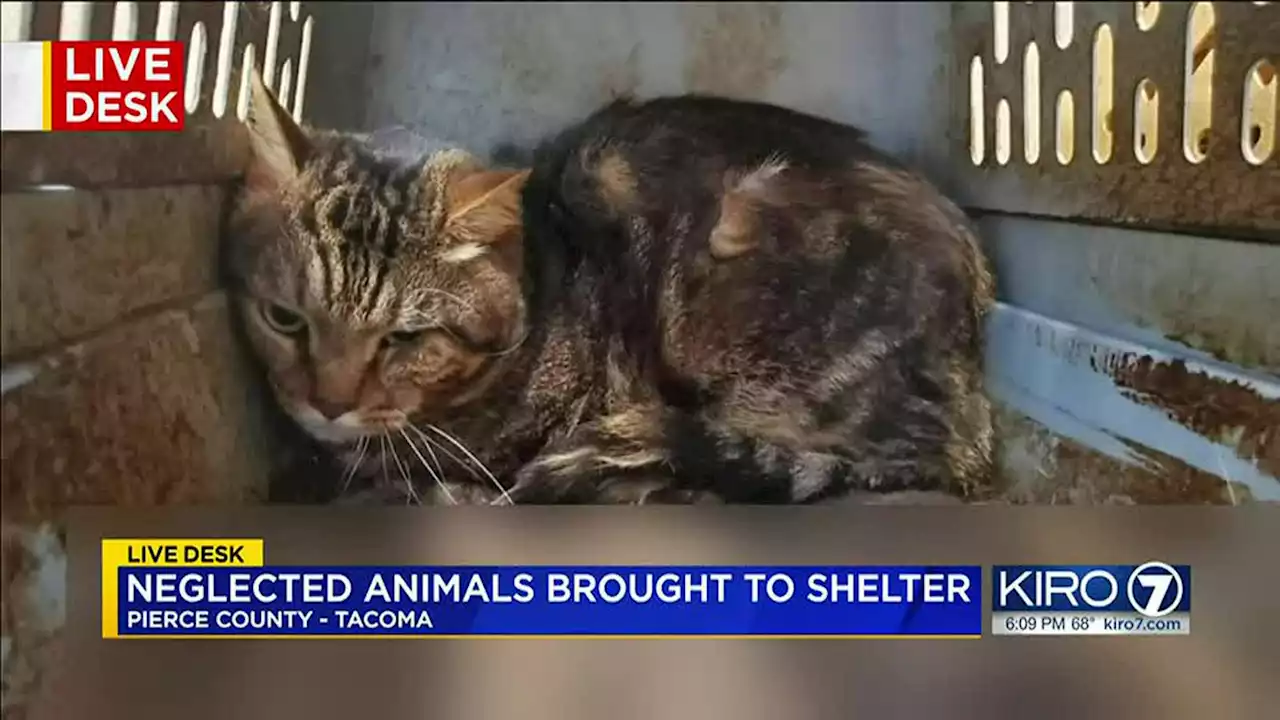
[536,484]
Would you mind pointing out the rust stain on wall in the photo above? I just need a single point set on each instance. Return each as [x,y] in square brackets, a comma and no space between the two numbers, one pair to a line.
[1225,411]
[153,413]
[76,262]
[1038,466]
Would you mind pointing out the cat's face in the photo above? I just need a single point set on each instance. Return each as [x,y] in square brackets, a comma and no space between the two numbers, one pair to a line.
[372,292]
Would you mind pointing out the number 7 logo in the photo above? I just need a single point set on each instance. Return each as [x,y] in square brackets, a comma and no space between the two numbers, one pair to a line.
[1165,585]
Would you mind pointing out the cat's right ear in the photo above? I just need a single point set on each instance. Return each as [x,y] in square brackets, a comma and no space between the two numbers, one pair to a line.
[484,207]
[278,146]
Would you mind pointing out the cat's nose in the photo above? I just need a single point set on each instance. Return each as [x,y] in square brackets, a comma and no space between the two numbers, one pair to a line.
[331,409]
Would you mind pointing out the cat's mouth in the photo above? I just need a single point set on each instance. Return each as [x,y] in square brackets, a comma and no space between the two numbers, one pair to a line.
[349,427]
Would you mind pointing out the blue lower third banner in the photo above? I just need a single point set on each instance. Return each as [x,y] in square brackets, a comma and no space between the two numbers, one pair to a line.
[210,600]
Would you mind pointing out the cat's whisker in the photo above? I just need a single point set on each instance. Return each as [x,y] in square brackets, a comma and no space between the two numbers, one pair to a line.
[431,450]
[382,452]
[385,443]
[436,476]
[404,472]
[432,445]
[362,447]
[483,468]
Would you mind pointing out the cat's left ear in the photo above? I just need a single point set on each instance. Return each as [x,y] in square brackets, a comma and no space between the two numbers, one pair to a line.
[278,146]
[484,207]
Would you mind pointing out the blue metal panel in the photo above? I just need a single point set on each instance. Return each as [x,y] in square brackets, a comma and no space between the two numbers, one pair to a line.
[1063,376]
[1093,342]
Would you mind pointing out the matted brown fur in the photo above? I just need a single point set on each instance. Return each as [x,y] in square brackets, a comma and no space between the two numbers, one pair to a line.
[686,299]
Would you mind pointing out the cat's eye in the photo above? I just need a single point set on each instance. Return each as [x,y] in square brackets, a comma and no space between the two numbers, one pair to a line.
[398,338]
[283,320]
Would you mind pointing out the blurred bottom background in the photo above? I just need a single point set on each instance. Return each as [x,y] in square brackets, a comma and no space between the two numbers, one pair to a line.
[1224,669]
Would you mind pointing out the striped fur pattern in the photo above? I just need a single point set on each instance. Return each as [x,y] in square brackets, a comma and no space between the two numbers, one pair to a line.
[684,300]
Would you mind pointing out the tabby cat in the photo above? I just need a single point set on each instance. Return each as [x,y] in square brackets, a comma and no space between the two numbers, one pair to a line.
[688,299]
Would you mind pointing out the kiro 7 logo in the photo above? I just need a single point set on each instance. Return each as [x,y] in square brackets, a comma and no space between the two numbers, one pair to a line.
[1152,589]
[1161,585]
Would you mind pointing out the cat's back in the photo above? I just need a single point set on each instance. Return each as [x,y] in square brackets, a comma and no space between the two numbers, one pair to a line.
[668,133]
[772,269]
[778,180]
